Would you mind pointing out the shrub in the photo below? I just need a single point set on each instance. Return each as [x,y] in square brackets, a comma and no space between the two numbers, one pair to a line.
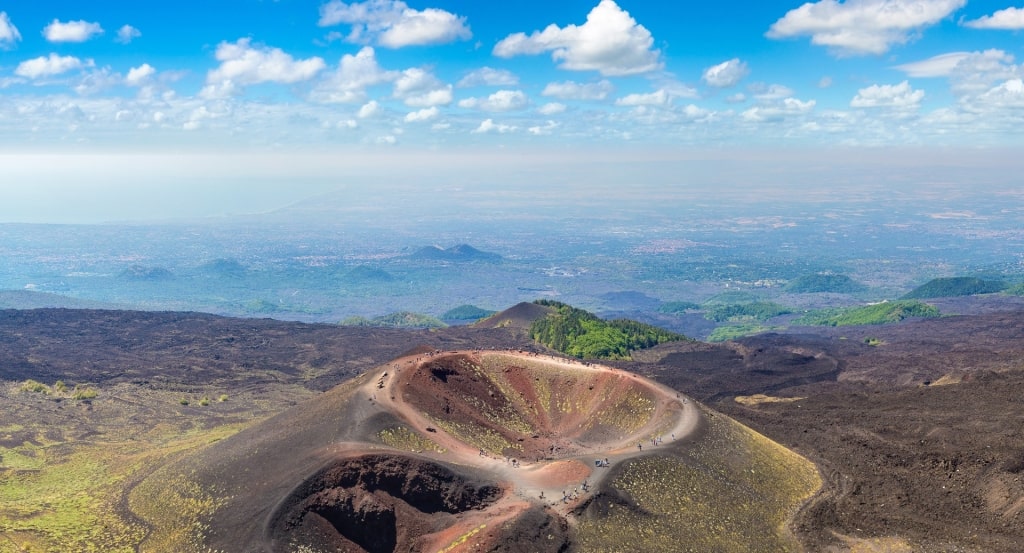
[35,387]
[84,392]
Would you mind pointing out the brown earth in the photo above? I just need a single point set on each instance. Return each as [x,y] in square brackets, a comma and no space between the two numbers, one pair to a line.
[920,438]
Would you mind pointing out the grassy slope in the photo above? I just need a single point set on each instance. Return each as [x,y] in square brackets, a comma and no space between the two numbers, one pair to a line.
[733,490]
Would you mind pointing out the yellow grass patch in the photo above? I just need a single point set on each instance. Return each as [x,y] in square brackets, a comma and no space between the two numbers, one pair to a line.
[758,399]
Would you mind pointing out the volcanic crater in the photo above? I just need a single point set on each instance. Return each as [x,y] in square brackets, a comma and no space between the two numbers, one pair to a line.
[532,430]
[452,451]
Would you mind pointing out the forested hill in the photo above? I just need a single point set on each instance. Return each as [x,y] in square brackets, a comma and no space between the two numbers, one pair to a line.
[584,335]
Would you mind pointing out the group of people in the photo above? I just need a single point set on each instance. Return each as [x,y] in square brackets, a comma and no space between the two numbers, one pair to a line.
[567,497]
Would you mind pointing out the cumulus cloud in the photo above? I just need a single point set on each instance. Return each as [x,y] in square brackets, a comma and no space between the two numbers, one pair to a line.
[546,129]
[1010,19]
[552,108]
[127,33]
[659,98]
[899,96]
[425,114]
[502,100]
[72,31]
[489,126]
[778,111]
[369,110]
[354,75]
[48,66]
[694,113]
[486,76]
[980,70]
[243,64]
[771,92]
[570,90]
[8,32]
[393,24]
[858,27]
[725,74]
[419,88]
[1008,94]
[968,72]
[611,42]
[137,76]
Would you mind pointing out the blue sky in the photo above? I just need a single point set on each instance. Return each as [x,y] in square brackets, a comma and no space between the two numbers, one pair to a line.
[350,78]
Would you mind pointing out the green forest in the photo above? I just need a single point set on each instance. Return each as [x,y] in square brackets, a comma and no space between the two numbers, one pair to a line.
[824,282]
[586,336]
[955,286]
[879,313]
[758,310]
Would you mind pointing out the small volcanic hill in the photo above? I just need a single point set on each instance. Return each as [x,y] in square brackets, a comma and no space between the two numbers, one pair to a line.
[144,273]
[462,253]
[463,451]
[520,315]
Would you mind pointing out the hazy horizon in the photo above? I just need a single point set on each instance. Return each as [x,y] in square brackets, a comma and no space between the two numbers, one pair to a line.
[105,186]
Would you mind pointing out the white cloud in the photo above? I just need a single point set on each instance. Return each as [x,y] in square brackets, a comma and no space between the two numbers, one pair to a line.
[825,82]
[198,116]
[857,27]
[72,31]
[369,109]
[48,66]
[8,32]
[137,76]
[489,126]
[502,100]
[726,74]
[486,76]
[694,113]
[1009,94]
[771,92]
[127,33]
[425,114]
[243,64]
[97,81]
[354,75]
[1010,19]
[393,24]
[570,90]
[968,72]
[610,42]
[936,66]
[543,130]
[419,88]
[552,108]
[899,96]
[659,98]
[778,111]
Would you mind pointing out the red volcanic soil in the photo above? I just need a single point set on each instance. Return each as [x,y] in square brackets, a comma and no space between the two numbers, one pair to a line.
[531,407]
